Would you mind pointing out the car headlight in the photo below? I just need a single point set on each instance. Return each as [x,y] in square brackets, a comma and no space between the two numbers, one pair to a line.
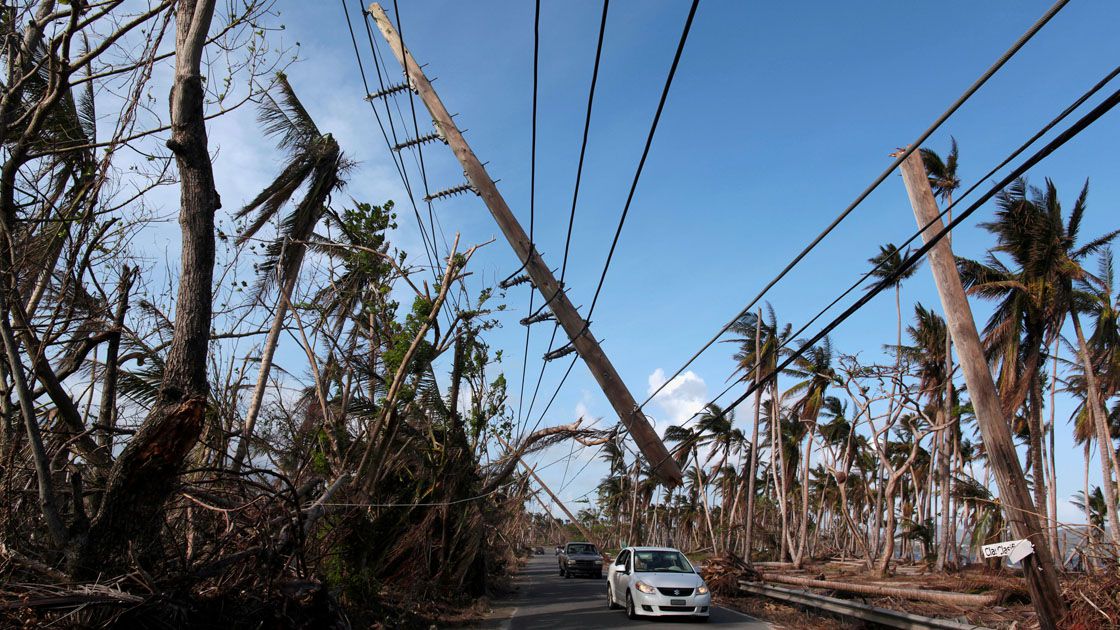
[703,590]
[643,587]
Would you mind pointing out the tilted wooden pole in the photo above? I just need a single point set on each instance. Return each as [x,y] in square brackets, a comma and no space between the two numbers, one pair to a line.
[555,499]
[1039,568]
[663,464]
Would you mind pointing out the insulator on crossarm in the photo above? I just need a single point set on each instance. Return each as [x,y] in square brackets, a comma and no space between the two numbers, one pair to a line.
[450,192]
[431,137]
[536,319]
[560,352]
[512,282]
[392,89]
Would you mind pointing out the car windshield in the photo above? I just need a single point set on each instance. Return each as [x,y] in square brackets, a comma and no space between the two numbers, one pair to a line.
[661,562]
[573,549]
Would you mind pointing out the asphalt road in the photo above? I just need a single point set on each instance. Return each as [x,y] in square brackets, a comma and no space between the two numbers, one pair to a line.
[546,600]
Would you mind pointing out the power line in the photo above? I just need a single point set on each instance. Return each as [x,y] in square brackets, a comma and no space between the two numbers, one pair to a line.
[432,262]
[637,175]
[1092,91]
[586,129]
[416,129]
[645,153]
[914,258]
[976,85]
[575,199]
[532,203]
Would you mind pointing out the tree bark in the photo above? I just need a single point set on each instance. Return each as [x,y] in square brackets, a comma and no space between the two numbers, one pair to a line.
[107,409]
[267,353]
[1099,418]
[146,473]
[749,535]
[941,597]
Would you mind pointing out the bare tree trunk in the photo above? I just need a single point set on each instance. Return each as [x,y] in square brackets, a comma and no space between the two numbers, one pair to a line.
[704,496]
[749,536]
[888,532]
[267,353]
[1055,548]
[1038,465]
[147,470]
[1099,417]
[107,409]
[803,528]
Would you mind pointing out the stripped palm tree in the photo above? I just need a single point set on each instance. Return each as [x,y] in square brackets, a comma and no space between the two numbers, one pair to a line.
[1035,294]
[814,367]
[316,162]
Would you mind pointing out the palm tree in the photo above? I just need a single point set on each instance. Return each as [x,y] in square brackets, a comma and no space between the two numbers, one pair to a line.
[814,367]
[718,427]
[929,334]
[943,178]
[688,441]
[760,341]
[315,161]
[887,263]
[1035,295]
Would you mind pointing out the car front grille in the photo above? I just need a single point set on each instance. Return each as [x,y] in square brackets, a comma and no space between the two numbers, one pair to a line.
[675,592]
[677,608]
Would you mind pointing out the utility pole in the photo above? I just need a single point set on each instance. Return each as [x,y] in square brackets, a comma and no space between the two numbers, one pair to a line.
[555,499]
[1038,568]
[663,465]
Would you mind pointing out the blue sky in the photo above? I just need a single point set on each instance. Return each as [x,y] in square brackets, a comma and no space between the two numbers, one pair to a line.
[780,114]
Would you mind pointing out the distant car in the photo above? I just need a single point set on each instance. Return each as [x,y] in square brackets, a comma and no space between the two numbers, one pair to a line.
[540,551]
[580,558]
[657,581]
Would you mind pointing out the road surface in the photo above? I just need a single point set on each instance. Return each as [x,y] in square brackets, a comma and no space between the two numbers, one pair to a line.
[546,600]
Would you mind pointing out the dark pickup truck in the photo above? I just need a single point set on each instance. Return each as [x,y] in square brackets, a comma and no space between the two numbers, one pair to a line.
[581,558]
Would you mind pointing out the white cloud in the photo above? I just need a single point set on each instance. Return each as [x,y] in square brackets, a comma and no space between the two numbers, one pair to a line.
[680,399]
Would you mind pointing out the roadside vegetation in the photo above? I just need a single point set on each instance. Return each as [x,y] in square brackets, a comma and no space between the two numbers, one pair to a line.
[878,465]
[158,464]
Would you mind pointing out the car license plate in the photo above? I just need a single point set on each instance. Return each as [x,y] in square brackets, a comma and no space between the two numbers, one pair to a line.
[676,602]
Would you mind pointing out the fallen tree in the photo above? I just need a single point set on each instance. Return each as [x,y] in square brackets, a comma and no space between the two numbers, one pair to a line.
[878,590]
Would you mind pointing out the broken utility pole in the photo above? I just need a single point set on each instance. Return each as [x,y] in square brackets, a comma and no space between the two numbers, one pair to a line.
[662,463]
[1038,568]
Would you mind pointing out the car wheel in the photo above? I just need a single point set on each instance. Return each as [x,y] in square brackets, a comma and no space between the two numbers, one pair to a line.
[611,605]
[630,611]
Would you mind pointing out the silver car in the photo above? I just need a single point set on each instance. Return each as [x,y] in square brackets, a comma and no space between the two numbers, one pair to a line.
[657,582]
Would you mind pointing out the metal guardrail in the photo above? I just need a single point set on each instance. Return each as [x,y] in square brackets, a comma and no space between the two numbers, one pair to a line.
[865,612]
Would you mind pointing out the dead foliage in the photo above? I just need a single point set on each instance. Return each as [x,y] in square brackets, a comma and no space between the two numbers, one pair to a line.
[723,573]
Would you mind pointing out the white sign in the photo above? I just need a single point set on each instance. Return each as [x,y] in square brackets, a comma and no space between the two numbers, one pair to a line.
[1015,550]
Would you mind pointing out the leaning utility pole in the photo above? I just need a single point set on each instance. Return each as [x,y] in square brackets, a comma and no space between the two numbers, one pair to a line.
[1038,568]
[555,499]
[662,463]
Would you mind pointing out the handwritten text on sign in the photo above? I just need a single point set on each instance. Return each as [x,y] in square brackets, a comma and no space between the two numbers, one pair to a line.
[1015,550]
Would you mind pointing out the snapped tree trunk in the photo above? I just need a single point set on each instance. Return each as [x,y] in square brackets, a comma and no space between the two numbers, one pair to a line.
[146,473]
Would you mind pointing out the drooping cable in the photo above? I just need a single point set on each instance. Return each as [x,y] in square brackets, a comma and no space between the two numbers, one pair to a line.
[976,85]
[913,259]
[432,262]
[1092,91]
